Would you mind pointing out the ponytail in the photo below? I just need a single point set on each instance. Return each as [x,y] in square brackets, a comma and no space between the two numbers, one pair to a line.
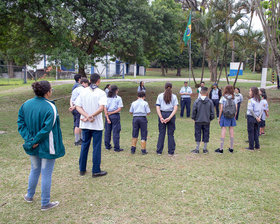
[167,96]
[113,91]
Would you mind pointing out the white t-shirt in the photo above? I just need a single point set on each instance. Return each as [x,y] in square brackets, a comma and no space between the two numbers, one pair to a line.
[90,100]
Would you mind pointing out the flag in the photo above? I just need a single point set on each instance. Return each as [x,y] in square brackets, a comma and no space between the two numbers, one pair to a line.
[187,34]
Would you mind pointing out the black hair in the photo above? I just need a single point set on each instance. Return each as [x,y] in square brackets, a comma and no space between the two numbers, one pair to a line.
[113,91]
[263,93]
[94,78]
[202,82]
[107,86]
[84,80]
[167,96]
[237,89]
[41,88]
[141,94]
[141,88]
[204,90]
[77,77]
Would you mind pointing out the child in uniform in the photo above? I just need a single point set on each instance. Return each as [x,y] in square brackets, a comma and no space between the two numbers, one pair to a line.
[186,92]
[265,110]
[140,109]
[202,114]
[254,114]
[238,99]
[112,121]
[227,115]
[166,106]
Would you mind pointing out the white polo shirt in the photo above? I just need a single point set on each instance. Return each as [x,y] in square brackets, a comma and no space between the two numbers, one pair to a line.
[90,100]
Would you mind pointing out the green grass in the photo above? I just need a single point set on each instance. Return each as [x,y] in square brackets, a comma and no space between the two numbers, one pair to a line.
[231,188]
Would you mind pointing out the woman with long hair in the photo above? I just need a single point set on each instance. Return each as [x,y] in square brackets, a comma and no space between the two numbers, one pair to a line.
[113,121]
[227,115]
[39,126]
[141,87]
[265,110]
[238,99]
[254,114]
[166,106]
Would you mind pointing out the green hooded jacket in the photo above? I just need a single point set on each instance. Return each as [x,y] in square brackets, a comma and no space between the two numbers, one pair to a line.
[38,123]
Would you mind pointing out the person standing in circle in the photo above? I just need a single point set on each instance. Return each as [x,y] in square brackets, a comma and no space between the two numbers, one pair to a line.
[185,93]
[238,99]
[166,106]
[254,114]
[202,84]
[107,88]
[113,120]
[215,95]
[227,115]
[141,87]
[39,126]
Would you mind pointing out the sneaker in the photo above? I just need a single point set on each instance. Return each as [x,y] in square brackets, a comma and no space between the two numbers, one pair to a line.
[144,152]
[49,206]
[230,150]
[78,142]
[82,173]
[195,151]
[133,150]
[100,174]
[205,151]
[27,199]
[219,150]
[170,155]
[249,148]
[159,154]
[118,150]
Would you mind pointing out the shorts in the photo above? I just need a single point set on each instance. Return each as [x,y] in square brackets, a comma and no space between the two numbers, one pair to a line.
[76,116]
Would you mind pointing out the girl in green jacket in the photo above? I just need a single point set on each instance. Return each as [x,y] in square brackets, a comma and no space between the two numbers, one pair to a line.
[39,126]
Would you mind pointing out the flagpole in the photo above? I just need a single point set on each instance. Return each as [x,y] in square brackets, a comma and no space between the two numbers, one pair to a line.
[190,60]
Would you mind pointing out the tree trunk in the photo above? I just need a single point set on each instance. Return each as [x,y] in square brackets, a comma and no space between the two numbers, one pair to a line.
[203,61]
[255,58]
[178,71]
[237,74]
[193,77]
[82,70]
[232,52]
[166,70]
[11,73]
[221,70]
[162,69]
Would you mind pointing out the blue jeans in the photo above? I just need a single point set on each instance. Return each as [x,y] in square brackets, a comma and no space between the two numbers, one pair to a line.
[44,167]
[96,153]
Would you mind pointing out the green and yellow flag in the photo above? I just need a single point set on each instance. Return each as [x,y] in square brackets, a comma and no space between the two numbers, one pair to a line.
[187,34]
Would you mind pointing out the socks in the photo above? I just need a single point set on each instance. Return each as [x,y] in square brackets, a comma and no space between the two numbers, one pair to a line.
[231,142]
[197,145]
[205,146]
[77,137]
[222,143]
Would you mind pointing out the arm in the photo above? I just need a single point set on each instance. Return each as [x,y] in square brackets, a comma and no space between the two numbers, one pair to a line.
[194,110]
[172,114]
[220,113]
[106,115]
[72,107]
[159,114]
[212,114]
[115,111]
[22,129]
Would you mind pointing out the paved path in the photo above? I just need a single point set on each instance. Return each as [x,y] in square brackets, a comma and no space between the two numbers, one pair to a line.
[61,82]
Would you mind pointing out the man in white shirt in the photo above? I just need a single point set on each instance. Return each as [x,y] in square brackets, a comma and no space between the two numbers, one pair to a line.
[185,93]
[90,104]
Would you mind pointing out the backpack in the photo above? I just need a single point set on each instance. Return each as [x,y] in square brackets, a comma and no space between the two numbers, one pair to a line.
[229,109]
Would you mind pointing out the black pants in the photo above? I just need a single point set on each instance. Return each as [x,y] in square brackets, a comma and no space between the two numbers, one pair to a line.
[170,133]
[238,108]
[253,132]
[216,105]
[139,123]
[115,126]
[204,128]
[185,103]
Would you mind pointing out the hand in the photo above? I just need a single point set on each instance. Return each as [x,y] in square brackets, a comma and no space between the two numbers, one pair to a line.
[109,113]
[219,120]
[91,119]
[35,146]
[258,119]
[166,120]
[162,120]
[108,121]
[72,108]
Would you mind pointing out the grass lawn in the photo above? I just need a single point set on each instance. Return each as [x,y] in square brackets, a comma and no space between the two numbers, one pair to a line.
[242,187]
